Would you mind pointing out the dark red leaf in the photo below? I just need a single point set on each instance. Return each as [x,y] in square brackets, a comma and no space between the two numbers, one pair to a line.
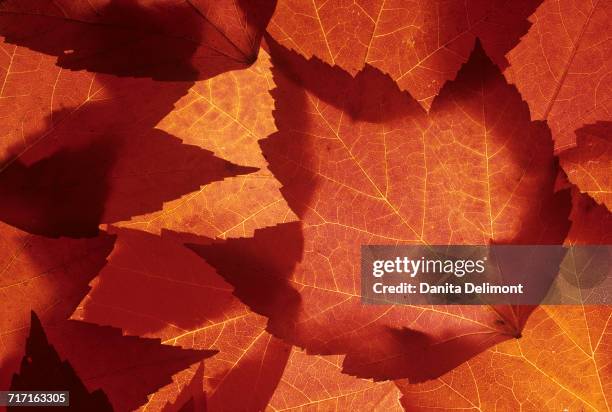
[49,276]
[166,40]
[126,368]
[42,369]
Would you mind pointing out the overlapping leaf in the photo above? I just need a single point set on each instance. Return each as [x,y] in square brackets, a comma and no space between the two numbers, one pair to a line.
[191,397]
[70,182]
[101,159]
[562,66]
[50,276]
[362,163]
[180,299]
[226,115]
[562,362]
[114,111]
[420,44]
[589,164]
[317,382]
[41,367]
[142,165]
[126,368]
[166,39]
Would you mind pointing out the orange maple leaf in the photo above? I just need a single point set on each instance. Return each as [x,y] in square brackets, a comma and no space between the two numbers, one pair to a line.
[226,115]
[362,163]
[100,159]
[589,164]
[562,66]
[562,362]
[317,382]
[420,44]
[152,130]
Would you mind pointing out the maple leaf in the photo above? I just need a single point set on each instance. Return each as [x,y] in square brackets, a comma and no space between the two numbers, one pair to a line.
[126,368]
[71,182]
[420,44]
[91,32]
[588,164]
[317,382]
[147,103]
[182,301]
[132,113]
[165,39]
[226,115]
[157,265]
[342,156]
[49,276]
[42,369]
[562,362]
[562,66]
[101,159]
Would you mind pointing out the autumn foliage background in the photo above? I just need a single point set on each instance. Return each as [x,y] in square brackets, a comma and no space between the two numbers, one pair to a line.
[185,185]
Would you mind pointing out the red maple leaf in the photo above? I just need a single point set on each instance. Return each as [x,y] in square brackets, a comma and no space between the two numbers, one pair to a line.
[420,44]
[562,66]
[362,163]
[134,133]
